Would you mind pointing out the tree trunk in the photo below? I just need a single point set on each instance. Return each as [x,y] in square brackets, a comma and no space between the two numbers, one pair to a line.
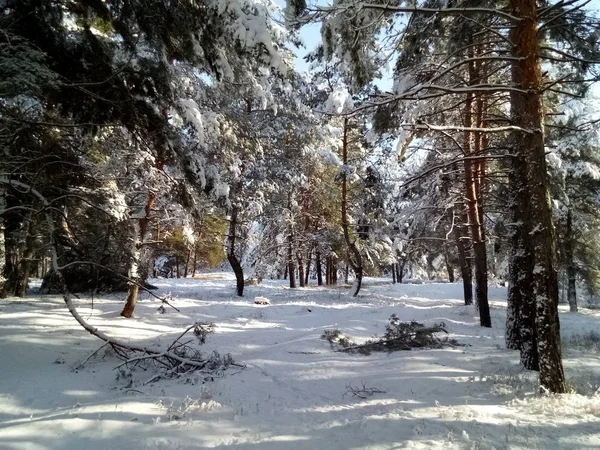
[449,268]
[319,268]
[400,271]
[3,189]
[231,257]
[187,263]
[536,226]
[394,273]
[27,257]
[570,263]
[474,204]
[300,269]
[291,265]
[307,269]
[356,262]
[177,266]
[460,234]
[195,261]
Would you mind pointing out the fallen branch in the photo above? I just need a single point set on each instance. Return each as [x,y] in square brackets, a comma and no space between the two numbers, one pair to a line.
[178,359]
[362,392]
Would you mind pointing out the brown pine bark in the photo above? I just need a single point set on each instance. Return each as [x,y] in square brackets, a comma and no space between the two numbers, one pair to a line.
[537,226]
[474,205]
[291,264]
[460,237]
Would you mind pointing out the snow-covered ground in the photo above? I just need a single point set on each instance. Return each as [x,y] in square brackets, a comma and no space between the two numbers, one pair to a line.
[294,392]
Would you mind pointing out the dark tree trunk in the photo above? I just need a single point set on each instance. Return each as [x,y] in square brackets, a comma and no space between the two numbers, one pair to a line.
[195,261]
[449,268]
[460,236]
[346,270]
[570,263]
[307,269]
[231,257]
[536,226]
[291,265]
[177,266]
[319,268]
[301,280]
[394,273]
[27,258]
[400,271]
[187,263]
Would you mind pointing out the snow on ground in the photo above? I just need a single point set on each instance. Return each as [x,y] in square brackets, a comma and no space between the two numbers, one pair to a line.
[294,392]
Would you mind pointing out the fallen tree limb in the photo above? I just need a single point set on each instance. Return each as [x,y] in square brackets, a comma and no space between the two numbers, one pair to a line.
[179,357]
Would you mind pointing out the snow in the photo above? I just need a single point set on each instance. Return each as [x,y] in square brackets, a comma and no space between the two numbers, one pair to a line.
[294,392]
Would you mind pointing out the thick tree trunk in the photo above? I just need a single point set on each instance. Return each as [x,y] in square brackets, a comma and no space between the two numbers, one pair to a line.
[537,226]
[355,256]
[319,268]
[570,263]
[231,257]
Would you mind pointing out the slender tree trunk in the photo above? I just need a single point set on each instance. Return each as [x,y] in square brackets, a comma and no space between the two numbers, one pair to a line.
[537,226]
[394,273]
[27,257]
[301,280]
[291,265]
[449,268]
[195,260]
[307,269]
[346,270]
[319,268]
[177,266]
[355,257]
[570,263]
[3,189]
[460,235]
[137,242]
[187,263]
[400,271]
[231,257]
[473,210]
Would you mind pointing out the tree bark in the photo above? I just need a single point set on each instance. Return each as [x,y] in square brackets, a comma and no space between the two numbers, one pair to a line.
[319,268]
[291,265]
[300,269]
[474,206]
[466,272]
[537,226]
[27,258]
[355,257]
[231,257]
[394,273]
[3,189]
[307,269]
[570,263]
